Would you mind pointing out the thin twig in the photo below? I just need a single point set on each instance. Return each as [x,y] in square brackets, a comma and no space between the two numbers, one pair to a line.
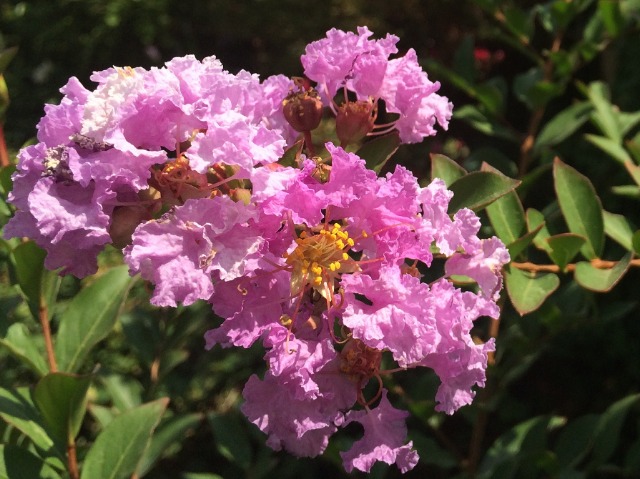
[554,268]
[4,155]
[43,316]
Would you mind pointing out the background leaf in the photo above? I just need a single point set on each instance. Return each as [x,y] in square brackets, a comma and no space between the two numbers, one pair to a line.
[121,445]
[90,317]
[580,207]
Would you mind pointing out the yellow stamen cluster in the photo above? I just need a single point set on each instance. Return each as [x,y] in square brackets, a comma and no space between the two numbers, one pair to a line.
[319,259]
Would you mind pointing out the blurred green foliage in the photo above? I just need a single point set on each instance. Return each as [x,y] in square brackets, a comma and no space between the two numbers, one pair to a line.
[529,80]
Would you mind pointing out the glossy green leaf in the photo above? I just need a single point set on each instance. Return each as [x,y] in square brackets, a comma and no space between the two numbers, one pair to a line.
[171,431]
[580,207]
[506,214]
[608,429]
[610,147]
[377,152]
[519,245]
[601,280]
[446,169]
[563,125]
[17,409]
[121,445]
[19,463]
[62,401]
[478,189]
[25,347]
[564,247]
[528,291]
[29,263]
[618,228]
[536,222]
[90,317]
[231,438]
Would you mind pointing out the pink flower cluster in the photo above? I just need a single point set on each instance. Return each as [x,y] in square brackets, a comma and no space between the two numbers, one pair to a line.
[321,261]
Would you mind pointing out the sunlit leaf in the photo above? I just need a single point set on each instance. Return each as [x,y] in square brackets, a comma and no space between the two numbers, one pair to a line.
[478,189]
[527,290]
[580,207]
[618,228]
[121,445]
[564,247]
[610,147]
[446,169]
[601,280]
[90,317]
[24,346]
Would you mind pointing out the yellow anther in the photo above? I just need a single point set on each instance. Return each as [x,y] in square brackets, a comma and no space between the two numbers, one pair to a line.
[317,280]
[364,234]
[345,256]
[340,244]
[285,320]
[350,242]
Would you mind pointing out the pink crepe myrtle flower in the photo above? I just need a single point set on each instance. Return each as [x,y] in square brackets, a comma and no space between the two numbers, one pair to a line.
[353,62]
[139,143]
[350,265]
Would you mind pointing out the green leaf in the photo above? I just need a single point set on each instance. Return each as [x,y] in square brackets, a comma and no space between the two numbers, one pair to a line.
[536,222]
[607,433]
[518,246]
[506,214]
[574,441]
[610,147]
[525,439]
[291,154]
[628,121]
[122,444]
[611,15]
[17,409]
[618,228]
[62,401]
[231,438]
[580,207]
[171,431]
[29,263]
[376,152]
[484,124]
[564,247]
[19,463]
[446,169]
[604,115]
[478,189]
[635,240]
[563,125]
[601,280]
[527,290]
[90,316]
[22,344]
